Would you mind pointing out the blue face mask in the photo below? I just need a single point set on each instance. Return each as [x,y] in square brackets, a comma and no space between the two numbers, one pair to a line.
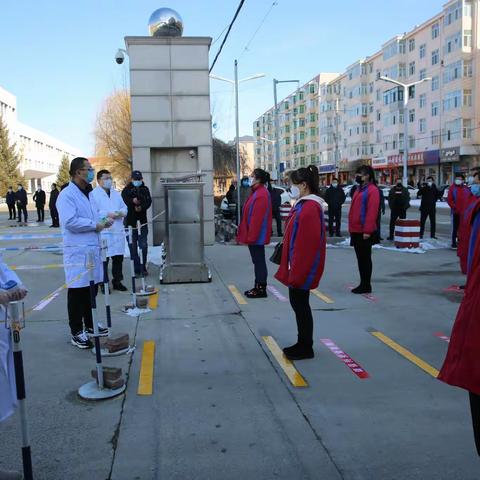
[90,176]
[475,189]
[137,183]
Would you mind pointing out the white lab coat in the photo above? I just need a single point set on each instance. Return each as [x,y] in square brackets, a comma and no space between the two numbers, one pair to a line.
[115,235]
[8,393]
[78,219]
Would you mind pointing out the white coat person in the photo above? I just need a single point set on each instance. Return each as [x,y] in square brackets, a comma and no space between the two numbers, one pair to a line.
[110,204]
[81,236]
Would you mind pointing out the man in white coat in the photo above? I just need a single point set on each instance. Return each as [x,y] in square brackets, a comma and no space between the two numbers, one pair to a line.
[81,236]
[110,204]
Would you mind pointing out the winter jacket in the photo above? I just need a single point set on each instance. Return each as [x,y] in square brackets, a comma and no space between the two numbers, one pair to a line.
[399,198]
[304,245]
[464,233]
[458,198]
[382,204]
[335,197]
[276,196]
[10,198]
[244,194]
[256,225]
[40,198]
[21,197]
[364,210]
[53,198]
[429,196]
[462,363]
[142,193]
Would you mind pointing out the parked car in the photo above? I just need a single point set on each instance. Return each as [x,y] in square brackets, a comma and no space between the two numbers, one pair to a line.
[411,190]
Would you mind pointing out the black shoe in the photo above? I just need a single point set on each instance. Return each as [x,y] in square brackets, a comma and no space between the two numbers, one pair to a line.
[81,340]
[298,352]
[454,245]
[339,235]
[102,331]
[361,289]
[434,237]
[120,287]
[259,291]
[390,239]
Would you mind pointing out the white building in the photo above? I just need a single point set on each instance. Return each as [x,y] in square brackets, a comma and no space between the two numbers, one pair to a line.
[40,153]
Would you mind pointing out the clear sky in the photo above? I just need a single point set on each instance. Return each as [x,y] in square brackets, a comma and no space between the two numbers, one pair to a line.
[57,56]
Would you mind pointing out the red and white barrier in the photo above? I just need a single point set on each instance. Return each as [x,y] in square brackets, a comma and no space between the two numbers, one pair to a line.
[407,233]
[285,211]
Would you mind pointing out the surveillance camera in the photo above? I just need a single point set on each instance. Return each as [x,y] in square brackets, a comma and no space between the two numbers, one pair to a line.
[119,56]
[192,153]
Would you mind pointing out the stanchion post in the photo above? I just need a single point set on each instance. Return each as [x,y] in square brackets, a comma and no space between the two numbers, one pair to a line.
[106,284]
[140,255]
[96,337]
[132,265]
[15,326]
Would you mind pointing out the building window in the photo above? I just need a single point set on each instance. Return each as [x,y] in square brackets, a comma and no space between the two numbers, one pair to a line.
[402,70]
[423,73]
[435,83]
[453,43]
[313,117]
[302,135]
[402,47]
[411,115]
[411,45]
[422,125]
[302,109]
[467,38]
[423,100]
[467,98]
[423,50]
[379,115]
[467,8]
[411,142]
[311,88]
[435,137]
[435,30]
[434,109]
[452,100]
[467,68]
[467,128]
[411,92]
[286,105]
[435,57]
[411,68]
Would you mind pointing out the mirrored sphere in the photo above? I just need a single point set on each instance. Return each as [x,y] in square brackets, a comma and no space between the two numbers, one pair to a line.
[165,22]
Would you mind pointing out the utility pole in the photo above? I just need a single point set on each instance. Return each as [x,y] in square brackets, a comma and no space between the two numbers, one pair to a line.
[336,136]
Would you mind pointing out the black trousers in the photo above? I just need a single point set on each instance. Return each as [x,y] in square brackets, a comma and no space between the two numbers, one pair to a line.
[424,214]
[40,214]
[117,268]
[300,302]
[54,215]
[335,215]
[12,211]
[79,307]
[22,209]
[278,221]
[475,409]
[394,214]
[257,252]
[363,250]
[455,225]
[139,241]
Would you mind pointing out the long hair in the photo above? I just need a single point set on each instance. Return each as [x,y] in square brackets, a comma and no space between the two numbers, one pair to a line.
[310,176]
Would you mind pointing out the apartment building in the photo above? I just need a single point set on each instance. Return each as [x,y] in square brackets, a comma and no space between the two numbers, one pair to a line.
[361,117]
[40,153]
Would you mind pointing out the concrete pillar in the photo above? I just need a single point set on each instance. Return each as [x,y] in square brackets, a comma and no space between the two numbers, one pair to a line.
[171,120]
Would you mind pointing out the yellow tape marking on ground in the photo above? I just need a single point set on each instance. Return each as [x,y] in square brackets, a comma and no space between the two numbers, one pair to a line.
[407,354]
[238,296]
[287,366]
[322,296]
[145,382]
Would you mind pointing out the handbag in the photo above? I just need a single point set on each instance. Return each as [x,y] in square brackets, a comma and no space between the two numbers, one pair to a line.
[277,254]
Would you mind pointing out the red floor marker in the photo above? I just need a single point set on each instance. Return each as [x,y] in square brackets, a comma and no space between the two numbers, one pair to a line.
[368,296]
[454,288]
[443,337]
[348,361]
[277,294]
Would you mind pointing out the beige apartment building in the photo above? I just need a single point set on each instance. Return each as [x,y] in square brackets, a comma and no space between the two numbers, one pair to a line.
[361,116]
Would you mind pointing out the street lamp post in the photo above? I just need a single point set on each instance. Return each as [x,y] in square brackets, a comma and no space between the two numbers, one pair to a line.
[277,127]
[405,87]
[235,83]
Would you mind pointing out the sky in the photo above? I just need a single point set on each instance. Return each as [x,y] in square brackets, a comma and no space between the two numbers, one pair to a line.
[57,56]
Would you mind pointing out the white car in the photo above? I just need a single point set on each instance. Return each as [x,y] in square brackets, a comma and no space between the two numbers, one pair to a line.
[411,190]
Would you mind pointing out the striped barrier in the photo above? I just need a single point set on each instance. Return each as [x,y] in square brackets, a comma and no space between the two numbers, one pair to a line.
[285,211]
[407,233]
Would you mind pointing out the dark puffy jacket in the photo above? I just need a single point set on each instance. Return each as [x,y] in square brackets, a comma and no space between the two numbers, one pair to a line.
[40,198]
[142,193]
[53,198]
[399,198]
[335,197]
[429,196]
[276,196]
[10,198]
[21,197]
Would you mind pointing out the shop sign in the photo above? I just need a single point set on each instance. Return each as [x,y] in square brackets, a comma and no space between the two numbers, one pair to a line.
[379,162]
[330,168]
[448,155]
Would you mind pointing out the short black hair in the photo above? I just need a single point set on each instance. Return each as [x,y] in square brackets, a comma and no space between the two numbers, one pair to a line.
[101,173]
[367,170]
[54,184]
[460,175]
[11,187]
[334,178]
[76,164]
[430,178]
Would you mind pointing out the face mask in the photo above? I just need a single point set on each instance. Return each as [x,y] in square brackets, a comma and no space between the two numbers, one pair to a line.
[359,180]
[107,184]
[458,182]
[294,192]
[10,190]
[429,184]
[475,189]
[251,181]
[19,188]
[90,176]
[137,183]
[335,184]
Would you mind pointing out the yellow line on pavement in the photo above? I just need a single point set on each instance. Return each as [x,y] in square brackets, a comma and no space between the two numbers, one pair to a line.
[322,296]
[238,296]
[407,354]
[145,382]
[286,365]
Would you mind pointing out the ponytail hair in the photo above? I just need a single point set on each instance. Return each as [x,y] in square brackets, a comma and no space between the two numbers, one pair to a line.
[262,176]
[310,176]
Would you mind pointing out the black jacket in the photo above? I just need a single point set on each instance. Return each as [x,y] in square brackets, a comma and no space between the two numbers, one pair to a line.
[335,197]
[429,196]
[21,197]
[276,196]
[40,198]
[399,198]
[52,202]
[381,208]
[10,198]
[142,193]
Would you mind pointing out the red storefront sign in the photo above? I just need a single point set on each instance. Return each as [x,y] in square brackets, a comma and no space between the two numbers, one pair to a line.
[414,158]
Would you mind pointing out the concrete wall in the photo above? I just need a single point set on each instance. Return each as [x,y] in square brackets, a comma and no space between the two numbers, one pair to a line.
[170,97]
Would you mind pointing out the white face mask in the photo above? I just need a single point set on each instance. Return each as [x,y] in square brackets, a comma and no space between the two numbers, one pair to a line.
[294,192]
[335,184]
[429,184]
[107,183]
[458,181]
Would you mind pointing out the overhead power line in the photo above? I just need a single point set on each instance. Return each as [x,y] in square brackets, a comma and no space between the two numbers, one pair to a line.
[240,5]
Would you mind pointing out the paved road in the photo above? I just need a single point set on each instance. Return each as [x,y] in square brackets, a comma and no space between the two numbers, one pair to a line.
[223,408]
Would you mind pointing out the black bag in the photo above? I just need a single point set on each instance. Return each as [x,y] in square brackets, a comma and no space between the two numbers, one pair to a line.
[277,254]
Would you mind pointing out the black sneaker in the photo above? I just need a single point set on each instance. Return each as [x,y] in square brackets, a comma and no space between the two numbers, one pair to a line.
[102,331]
[361,290]
[257,292]
[80,340]
[120,287]
[298,352]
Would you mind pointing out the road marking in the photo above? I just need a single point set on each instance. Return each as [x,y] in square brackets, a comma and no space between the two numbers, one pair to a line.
[407,354]
[237,295]
[277,294]
[145,382]
[442,336]
[286,365]
[346,359]
[322,296]
[45,302]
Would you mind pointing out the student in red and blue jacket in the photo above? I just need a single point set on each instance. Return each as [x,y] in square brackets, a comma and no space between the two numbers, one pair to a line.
[362,224]
[255,229]
[303,256]
[458,199]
